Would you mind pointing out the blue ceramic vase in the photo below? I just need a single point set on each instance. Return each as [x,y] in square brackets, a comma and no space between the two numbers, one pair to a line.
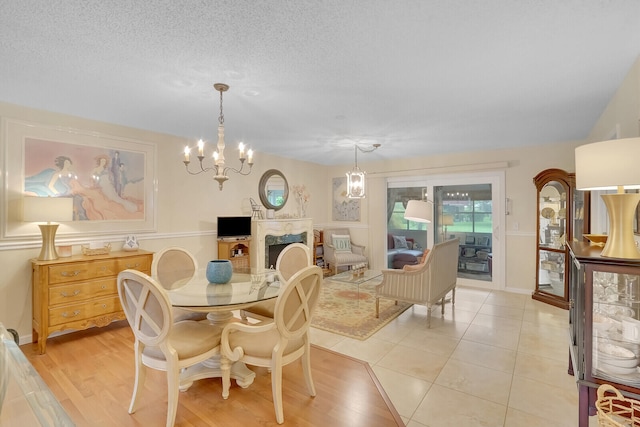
[219,271]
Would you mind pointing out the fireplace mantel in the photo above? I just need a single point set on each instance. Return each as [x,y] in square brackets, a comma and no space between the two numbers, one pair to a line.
[262,228]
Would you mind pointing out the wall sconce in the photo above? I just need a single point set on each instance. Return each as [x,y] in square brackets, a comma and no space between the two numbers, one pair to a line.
[613,165]
[355,177]
[49,210]
[219,167]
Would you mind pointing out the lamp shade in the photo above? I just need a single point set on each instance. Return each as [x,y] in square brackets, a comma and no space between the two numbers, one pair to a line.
[447,219]
[418,210]
[608,165]
[47,209]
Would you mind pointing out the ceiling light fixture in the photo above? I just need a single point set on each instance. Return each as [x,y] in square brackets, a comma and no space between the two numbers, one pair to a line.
[355,177]
[219,167]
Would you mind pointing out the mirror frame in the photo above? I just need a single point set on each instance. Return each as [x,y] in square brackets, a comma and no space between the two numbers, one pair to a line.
[262,186]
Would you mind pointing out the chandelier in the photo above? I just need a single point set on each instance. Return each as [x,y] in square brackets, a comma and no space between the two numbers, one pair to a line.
[219,168]
[355,177]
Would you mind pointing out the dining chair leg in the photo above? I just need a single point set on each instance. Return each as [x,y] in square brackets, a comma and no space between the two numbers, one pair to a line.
[276,390]
[173,383]
[429,316]
[140,376]
[306,370]
[225,366]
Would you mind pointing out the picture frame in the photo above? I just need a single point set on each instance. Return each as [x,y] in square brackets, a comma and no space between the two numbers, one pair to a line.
[343,208]
[106,200]
[470,240]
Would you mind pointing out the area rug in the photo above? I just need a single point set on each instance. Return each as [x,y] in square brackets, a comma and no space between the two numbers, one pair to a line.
[345,310]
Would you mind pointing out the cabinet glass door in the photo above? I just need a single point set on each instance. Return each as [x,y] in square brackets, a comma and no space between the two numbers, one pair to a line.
[553,215]
[616,327]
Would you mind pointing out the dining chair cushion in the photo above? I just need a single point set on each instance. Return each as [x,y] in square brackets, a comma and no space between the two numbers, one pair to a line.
[189,339]
[263,308]
[262,347]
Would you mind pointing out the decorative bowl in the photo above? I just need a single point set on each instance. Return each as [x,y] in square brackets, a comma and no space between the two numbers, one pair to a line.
[596,239]
[219,271]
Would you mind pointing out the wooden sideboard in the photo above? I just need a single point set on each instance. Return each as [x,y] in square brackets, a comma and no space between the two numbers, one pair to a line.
[79,292]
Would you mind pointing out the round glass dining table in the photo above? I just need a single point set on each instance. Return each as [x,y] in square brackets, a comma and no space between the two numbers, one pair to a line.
[246,287]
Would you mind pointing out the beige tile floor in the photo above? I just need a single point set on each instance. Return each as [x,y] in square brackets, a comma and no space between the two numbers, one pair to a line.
[496,359]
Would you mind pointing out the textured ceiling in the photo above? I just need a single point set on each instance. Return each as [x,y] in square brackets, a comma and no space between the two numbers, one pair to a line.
[311,78]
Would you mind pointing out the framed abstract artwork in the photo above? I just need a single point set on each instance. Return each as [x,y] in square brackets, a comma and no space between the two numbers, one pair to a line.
[110,179]
[343,208]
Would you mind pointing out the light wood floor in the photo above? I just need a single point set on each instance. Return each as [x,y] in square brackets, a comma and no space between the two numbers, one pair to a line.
[91,374]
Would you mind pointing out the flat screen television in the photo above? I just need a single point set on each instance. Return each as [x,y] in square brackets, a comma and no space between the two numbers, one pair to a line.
[234,226]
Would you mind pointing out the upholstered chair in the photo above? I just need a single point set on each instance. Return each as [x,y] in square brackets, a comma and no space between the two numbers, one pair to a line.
[173,267]
[278,342]
[425,283]
[292,258]
[340,251]
[159,342]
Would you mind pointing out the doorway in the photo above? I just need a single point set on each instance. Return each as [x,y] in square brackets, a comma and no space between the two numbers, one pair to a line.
[466,206]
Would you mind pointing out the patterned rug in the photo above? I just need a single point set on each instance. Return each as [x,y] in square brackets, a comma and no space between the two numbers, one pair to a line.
[345,311]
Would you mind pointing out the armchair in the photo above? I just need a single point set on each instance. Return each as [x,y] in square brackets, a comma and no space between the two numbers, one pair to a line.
[278,342]
[160,343]
[346,253]
[425,283]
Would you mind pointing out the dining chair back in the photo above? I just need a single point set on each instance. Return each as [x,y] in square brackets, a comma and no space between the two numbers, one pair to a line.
[159,342]
[173,267]
[293,258]
[276,343]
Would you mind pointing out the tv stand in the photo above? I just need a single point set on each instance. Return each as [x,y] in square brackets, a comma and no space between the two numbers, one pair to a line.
[236,250]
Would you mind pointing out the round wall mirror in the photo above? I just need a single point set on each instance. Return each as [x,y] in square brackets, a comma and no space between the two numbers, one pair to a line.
[273,189]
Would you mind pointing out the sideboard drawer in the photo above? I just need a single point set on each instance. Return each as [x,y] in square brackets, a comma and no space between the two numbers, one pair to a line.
[81,271]
[82,311]
[67,294]
[140,263]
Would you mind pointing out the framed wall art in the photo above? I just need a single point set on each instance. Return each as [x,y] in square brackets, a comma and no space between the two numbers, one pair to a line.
[110,179]
[343,208]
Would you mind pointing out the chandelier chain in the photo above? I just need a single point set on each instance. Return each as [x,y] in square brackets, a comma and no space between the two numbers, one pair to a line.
[221,118]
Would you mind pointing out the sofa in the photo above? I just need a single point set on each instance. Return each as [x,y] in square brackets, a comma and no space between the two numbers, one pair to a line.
[399,254]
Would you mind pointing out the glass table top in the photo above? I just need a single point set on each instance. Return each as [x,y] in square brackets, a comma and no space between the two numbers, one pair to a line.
[246,286]
[349,277]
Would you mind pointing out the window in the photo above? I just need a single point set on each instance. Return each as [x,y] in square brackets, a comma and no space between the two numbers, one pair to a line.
[397,221]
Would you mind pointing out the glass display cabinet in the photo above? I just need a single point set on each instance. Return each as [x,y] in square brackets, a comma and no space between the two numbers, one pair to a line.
[563,216]
[604,319]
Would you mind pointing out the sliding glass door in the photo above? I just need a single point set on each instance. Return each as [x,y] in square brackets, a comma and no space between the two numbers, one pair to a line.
[468,207]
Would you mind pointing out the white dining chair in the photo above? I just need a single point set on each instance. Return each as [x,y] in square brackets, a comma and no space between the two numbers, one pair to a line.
[159,342]
[291,259]
[278,342]
[173,267]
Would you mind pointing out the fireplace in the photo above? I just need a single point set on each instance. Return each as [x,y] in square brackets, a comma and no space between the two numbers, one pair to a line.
[274,252]
[269,237]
